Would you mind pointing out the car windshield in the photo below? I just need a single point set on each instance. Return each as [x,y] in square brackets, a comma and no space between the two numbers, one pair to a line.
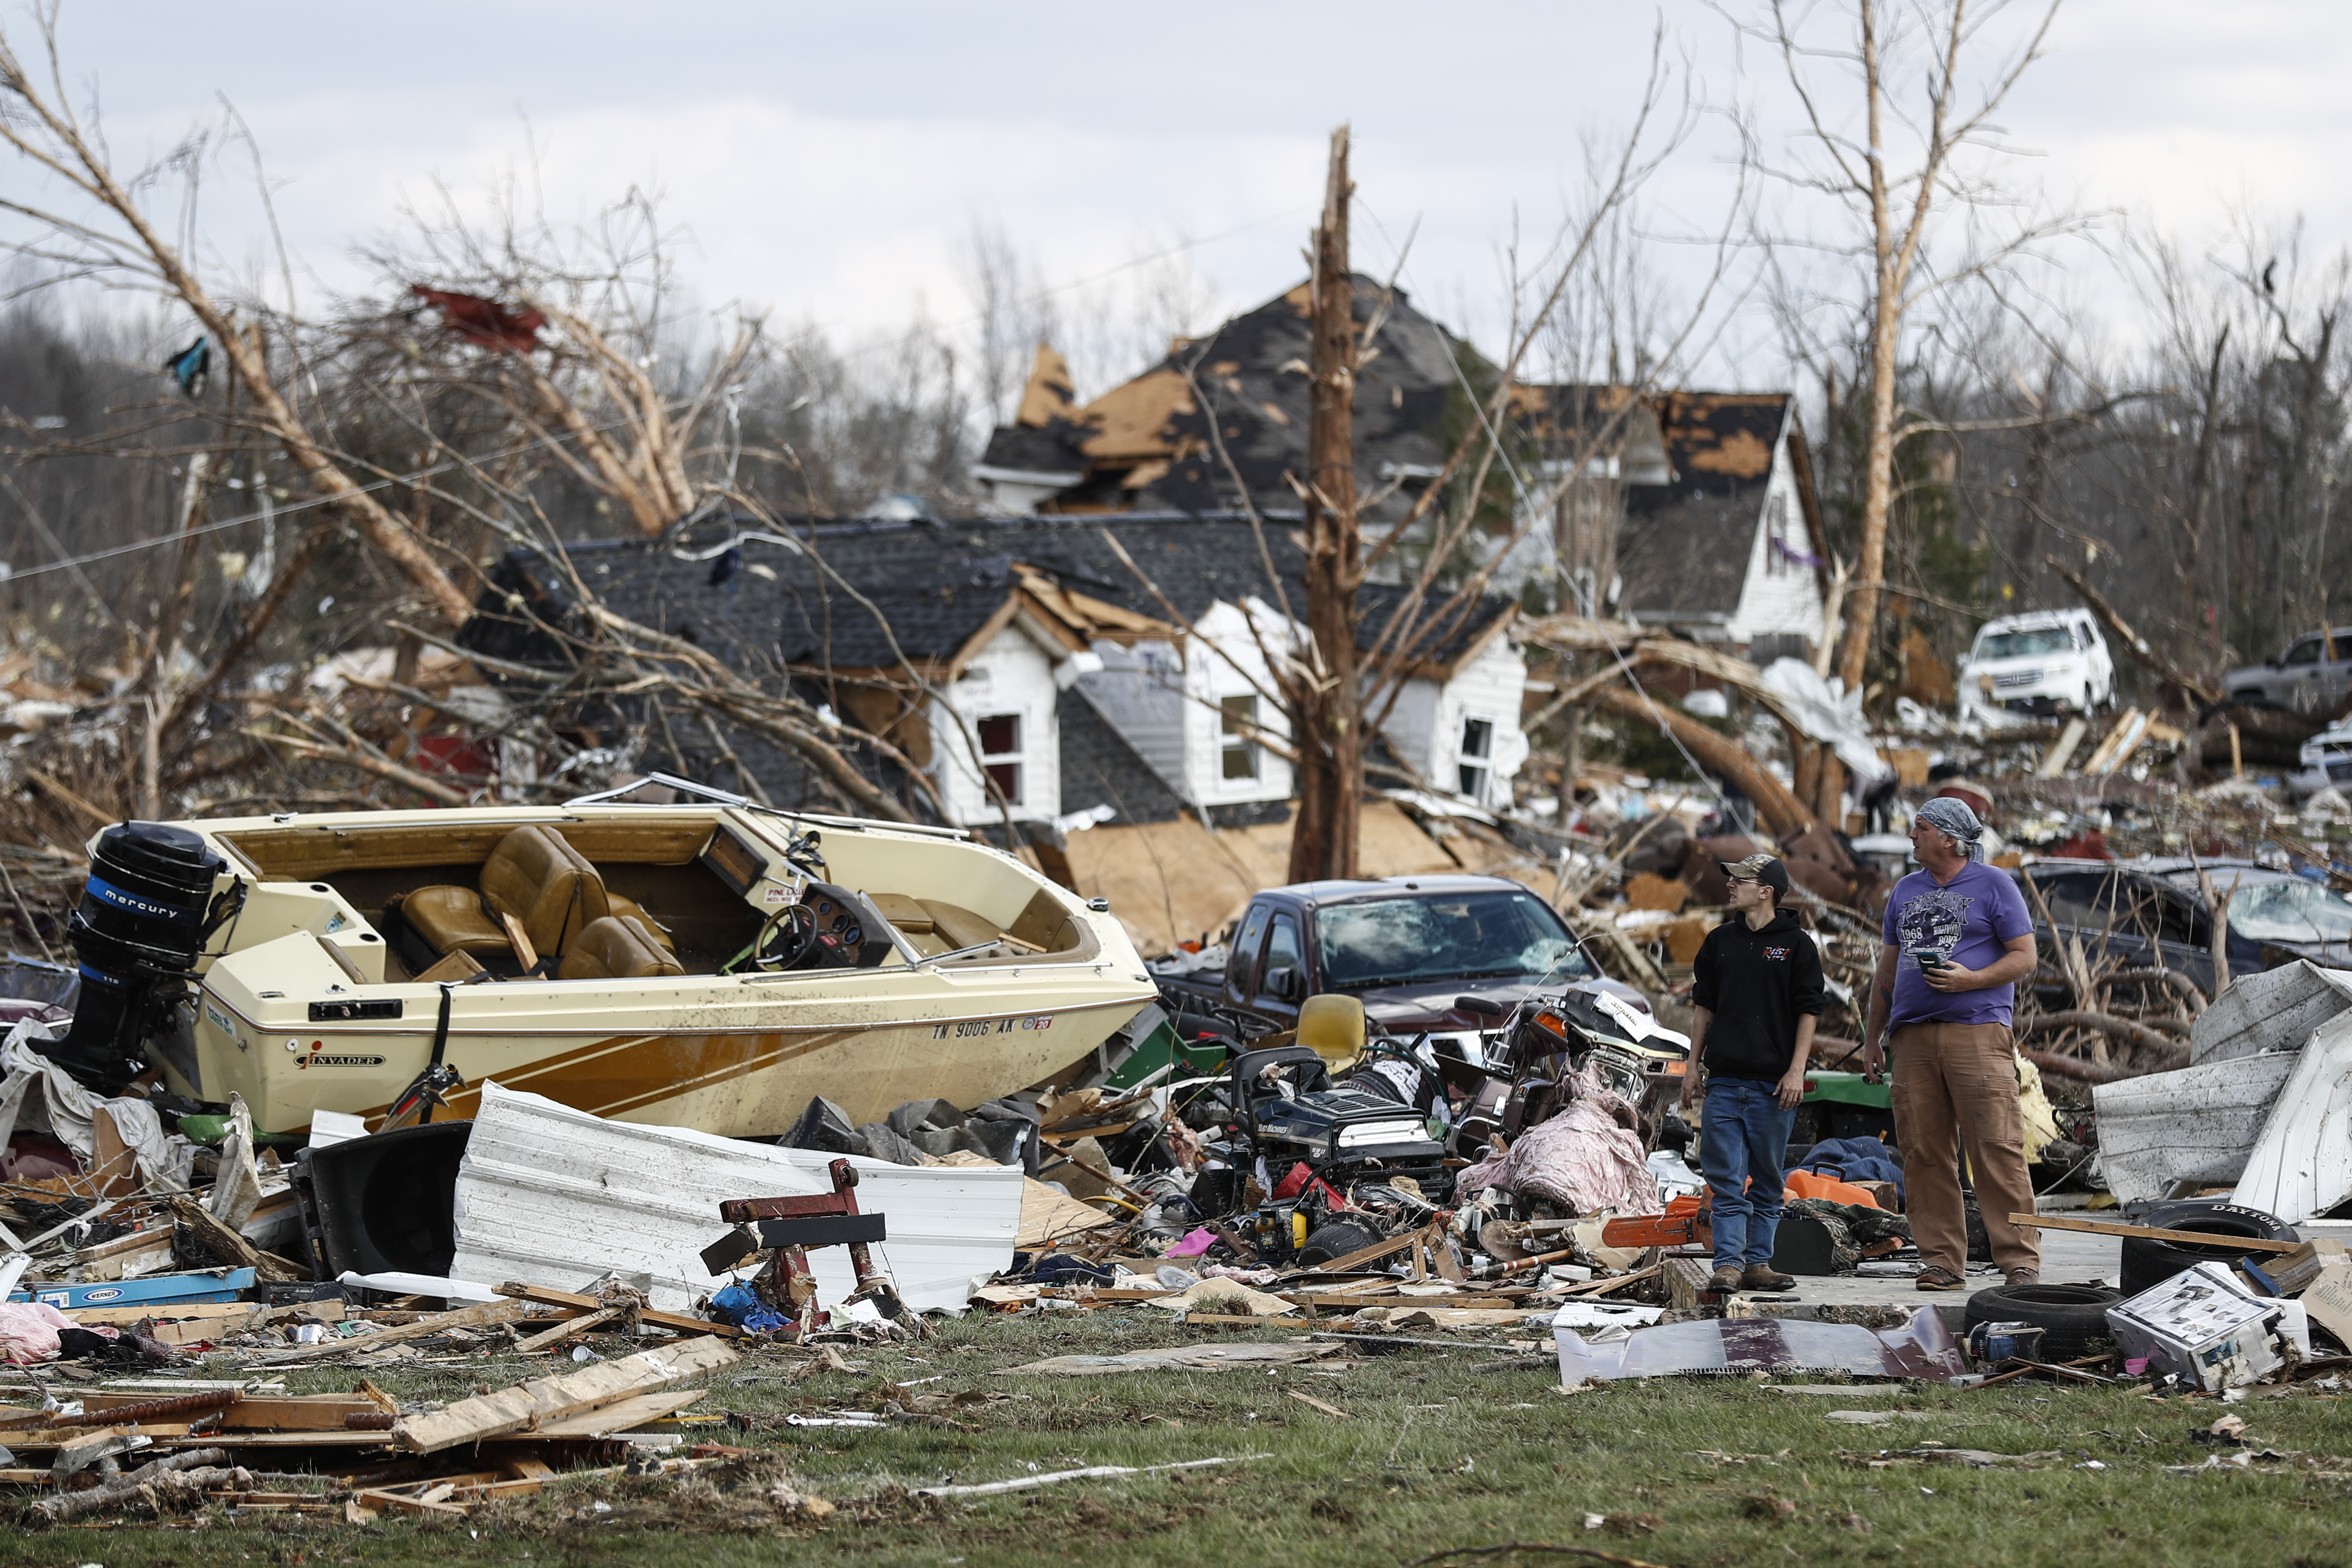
[2025,644]
[1498,935]
[2287,910]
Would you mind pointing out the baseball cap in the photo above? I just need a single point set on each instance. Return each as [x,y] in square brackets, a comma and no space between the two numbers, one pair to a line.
[1761,868]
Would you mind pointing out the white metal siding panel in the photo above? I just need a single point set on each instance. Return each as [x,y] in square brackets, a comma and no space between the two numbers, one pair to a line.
[554,1196]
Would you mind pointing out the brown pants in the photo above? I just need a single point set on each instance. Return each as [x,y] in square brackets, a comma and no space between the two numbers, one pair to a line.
[1955,1083]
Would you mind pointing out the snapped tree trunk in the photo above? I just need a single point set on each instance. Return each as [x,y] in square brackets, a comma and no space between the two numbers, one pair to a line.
[1326,699]
[1778,809]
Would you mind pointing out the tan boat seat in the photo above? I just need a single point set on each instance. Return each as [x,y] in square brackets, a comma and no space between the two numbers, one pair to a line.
[959,926]
[628,907]
[532,875]
[617,947]
[908,914]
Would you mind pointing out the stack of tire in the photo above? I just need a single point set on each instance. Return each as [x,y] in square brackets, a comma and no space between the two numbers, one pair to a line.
[2073,1318]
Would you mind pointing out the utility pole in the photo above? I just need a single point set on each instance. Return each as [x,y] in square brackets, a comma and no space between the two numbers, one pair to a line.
[1327,720]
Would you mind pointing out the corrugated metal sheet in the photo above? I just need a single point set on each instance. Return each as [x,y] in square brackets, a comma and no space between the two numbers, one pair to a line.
[550,1196]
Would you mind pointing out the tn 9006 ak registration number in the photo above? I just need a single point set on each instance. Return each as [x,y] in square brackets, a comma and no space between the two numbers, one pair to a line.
[979,1027]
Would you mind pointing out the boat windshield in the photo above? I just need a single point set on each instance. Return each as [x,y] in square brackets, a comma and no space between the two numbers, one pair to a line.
[2025,643]
[1498,936]
[2289,910]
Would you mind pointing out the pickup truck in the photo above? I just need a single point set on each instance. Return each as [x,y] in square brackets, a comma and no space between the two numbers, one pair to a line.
[1408,946]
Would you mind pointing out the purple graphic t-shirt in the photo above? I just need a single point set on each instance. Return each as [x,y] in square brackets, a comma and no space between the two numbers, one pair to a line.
[1966,921]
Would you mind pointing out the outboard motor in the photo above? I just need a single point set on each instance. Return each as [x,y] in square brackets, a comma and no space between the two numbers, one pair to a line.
[138,931]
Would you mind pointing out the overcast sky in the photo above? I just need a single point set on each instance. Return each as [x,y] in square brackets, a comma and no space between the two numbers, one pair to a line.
[826,162]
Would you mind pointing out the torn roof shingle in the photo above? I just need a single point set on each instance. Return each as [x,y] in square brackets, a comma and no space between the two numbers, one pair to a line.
[1685,546]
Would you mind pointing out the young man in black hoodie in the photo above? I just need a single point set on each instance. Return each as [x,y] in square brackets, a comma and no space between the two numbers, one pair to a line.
[1756,988]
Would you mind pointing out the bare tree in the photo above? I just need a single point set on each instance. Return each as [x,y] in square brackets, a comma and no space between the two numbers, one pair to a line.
[1892,201]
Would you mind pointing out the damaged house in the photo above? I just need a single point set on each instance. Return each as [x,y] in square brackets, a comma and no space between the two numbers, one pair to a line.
[1694,510]
[1035,672]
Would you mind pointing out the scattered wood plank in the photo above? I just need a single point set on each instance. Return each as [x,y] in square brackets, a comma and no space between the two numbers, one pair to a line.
[476,1317]
[546,1296]
[530,1406]
[1309,1399]
[624,1416]
[1378,1249]
[2149,1233]
[230,1247]
[566,1329]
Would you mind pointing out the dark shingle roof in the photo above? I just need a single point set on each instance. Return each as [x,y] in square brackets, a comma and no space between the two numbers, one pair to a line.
[769,604]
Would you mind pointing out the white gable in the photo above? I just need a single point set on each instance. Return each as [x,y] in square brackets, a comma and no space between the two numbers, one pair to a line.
[1011,679]
[1781,594]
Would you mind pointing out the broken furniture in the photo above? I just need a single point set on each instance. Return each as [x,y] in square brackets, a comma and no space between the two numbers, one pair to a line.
[785,1228]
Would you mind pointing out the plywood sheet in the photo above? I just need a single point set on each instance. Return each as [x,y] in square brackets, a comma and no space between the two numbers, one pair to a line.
[1175,881]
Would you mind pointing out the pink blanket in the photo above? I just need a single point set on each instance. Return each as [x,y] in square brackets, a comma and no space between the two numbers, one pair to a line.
[1580,1159]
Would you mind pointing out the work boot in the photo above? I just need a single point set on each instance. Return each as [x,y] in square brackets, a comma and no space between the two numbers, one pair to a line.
[1764,1277]
[1725,1277]
[2024,1277]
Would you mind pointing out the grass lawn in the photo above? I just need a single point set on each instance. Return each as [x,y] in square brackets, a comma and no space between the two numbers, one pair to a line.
[1428,1457]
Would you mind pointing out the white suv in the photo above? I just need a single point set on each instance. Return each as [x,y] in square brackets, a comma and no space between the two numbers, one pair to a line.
[2048,662]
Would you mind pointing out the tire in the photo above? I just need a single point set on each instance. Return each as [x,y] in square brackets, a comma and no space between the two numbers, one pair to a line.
[2148,1264]
[2073,1318]
[1337,1239]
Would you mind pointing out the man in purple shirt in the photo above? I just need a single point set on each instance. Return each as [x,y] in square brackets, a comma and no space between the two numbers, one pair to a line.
[1957,940]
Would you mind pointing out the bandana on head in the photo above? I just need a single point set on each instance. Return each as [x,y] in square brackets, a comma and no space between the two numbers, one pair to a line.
[1946,814]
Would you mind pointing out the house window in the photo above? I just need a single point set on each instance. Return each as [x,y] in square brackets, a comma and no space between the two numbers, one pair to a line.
[1477,748]
[1000,754]
[1235,725]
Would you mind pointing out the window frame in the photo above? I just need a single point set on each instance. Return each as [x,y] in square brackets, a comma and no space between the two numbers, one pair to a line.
[1482,762]
[992,764]
[1233,740]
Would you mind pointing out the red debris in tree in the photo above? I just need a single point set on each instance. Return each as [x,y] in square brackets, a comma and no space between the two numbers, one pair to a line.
[485,321]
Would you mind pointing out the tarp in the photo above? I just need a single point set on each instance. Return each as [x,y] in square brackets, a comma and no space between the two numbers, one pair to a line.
[1825,711]
[34,1089]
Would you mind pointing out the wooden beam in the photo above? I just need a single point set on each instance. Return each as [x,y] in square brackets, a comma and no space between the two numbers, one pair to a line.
[2150,1233]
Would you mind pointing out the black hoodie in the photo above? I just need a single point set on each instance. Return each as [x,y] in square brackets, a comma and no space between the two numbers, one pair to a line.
[1757,983]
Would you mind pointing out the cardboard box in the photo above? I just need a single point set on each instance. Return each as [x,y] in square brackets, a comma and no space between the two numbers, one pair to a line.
[2294,1272]
[2201,1326]
[2328,1300]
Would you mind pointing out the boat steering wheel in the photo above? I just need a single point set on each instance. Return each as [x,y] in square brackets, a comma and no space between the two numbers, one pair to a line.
[796,932]
[786,939]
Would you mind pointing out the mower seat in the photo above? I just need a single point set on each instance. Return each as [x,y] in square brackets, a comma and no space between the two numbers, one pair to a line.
[1333,1027]
[617,947]
[533,875]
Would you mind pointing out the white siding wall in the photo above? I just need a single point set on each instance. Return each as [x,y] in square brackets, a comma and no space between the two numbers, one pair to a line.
[1780,595]
[1010,675]
[1226,662]
[1425,729]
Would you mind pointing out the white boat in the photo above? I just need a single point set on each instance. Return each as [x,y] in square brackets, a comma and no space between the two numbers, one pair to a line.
[704,965]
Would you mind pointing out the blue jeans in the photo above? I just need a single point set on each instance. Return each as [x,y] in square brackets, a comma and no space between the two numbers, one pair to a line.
[1743,1131]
